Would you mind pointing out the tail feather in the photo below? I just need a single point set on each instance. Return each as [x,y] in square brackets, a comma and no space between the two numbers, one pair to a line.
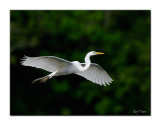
[42,79]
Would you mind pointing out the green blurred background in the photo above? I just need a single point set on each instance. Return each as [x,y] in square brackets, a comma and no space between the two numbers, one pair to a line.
[123,35]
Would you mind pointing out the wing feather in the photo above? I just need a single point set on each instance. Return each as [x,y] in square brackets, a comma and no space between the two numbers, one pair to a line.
[103,80]
[106,80]
[98,77]
[48,63]
[91,75]
[96,74]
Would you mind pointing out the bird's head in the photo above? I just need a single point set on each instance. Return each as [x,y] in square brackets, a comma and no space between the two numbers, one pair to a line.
[95,53]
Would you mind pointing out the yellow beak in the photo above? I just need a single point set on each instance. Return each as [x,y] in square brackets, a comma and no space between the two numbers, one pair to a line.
[99,53]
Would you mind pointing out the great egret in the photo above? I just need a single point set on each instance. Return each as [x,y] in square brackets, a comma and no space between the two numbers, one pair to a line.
[58,66]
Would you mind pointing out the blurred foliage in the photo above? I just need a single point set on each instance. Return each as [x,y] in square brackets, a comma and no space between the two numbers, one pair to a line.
[123,35]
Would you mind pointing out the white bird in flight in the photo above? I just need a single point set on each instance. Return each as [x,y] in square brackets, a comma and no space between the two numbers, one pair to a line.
[91,71]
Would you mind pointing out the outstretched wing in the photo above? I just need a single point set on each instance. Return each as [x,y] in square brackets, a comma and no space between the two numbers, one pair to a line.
[48,63]
[96,74]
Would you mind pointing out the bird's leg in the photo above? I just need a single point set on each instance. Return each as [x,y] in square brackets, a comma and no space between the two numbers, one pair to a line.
[44,79]
[52,74]
[41,80]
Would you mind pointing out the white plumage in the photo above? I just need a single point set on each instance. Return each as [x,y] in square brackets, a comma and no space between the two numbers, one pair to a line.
[58,66]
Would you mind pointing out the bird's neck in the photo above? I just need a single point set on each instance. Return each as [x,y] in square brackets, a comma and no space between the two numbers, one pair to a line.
[87,62]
